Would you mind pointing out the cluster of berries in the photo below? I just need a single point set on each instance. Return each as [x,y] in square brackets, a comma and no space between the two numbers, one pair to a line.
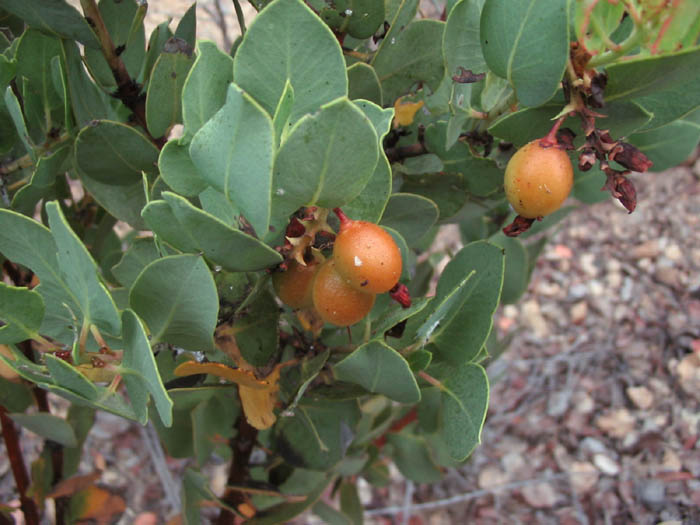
[365,261]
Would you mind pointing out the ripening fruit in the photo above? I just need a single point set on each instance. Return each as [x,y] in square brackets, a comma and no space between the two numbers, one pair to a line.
[367,256]
[335,300]
[293,286]
[538,179]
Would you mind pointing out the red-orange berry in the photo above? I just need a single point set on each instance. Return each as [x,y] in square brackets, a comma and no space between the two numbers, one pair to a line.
[293,286]
[335,300]
[366,256]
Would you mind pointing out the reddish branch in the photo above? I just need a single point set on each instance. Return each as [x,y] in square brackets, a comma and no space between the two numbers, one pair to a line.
[128,90]
[242,446]
[19,470]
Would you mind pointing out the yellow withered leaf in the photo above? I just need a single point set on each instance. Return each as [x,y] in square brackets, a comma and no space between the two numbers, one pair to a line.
[405,112]
[235,375]
[259,405]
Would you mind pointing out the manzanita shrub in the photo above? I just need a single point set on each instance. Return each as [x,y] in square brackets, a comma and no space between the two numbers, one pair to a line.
[153,184]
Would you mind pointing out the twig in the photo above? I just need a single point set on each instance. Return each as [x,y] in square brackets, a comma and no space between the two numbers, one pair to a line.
[155,451]
[407,501]
[239,16]
[242,446]
[460,498]
[19,469]
[219,18]
[128,91]
[16,165]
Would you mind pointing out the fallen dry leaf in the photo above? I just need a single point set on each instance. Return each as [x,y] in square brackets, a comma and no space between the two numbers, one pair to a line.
[405,112]
[616,423]
[97,504]
[72,485]
[641,396]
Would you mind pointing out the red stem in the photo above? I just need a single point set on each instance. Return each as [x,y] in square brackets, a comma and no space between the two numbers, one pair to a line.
[551,138]
[19,470]
[344,219]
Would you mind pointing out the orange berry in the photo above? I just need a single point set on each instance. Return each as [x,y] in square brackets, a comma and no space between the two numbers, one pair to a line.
[294,285]
[335,300]
[367,256]
[538,179]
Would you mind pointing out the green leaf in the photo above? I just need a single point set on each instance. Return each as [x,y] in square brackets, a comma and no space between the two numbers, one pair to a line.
[276,48]
[460,338]
[114,153]
[318,433]
[413,459]
[29,243]
[197,230]
[178,171]
[142,252]
[588,186]
[139,358]
[465,399]
[319,164]
[68,377]
[177,299]
[156,42]
[411,215]
[668,145]
[187,28]
[370,204]
[163,104]
[280,119]
[363,83]
[516,274]
[329,515]
[256,331]
[379,369]
[212,421]
[15,397]
[308,371]
[37,48]
[87,101]
[444,189]
[621,119]
[42,181]
[234,153]
[54,17]
[205,89]
[513,36]
[482,177]
[78,270]
[414,56]
[21,314]
[396,314]
[398,13]
[118,17]
[284,512]
[122,202]
[47,426]
[639,77]
[671,104]
[461,43]
[350,502]
[15,110]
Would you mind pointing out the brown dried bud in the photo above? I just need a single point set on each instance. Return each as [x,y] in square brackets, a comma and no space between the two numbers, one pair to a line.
[597,98]
[630,157]
[628,194]
[565,138]
[586,160]
[518,226]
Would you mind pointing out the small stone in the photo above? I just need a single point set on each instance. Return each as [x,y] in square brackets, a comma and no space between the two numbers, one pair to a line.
[579,312]
[648,249]
[577,291]
[558,404]
[540,495]
[668,276]
[513,462]
[583,402]
[688,371]
[641,396]
[596,288]
[671,462]
[584,476]
[653,494]
[593,445]
[587,262]
[673,252]
[616,423]
[614,280]
[606,465]
[533,317]
[492,477]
